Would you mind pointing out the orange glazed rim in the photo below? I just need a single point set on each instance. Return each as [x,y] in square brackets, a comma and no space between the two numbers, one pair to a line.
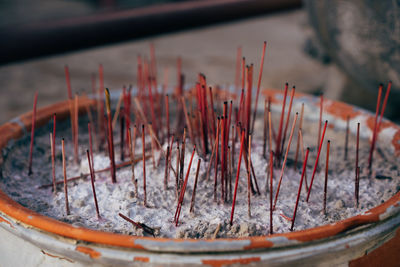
[35,221]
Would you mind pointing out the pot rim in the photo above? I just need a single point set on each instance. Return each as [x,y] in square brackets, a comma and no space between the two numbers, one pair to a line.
[31,219]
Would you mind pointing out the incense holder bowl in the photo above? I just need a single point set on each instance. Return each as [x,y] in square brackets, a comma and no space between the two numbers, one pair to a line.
[372,237]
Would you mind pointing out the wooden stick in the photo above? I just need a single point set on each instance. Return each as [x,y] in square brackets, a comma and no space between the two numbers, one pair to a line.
[358,186]
[195,186]
[326,173]
[117,110]
[91,145]
[278,140]
[320,117]
[65,177]
[110,136]
[298,136]
[144,168]
[166,169]
[298,193]
[32,133]
[237,176]
[131,150]
[182,194]
[316,160]
[53,153]
[230,172]
[258,85]
[248,178]
[92,181]
[76,128]
[285,159]
[288,116]
[122,134]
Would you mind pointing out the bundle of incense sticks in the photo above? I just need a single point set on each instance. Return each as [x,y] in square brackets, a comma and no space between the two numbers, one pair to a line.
[203,115]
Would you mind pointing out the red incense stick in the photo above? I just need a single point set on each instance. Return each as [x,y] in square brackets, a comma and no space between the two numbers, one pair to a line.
[237,176]
[92,181]
[259,85]
[378,102]
[376,132]
[300,185]
[326,173]
[316,160]
[65,177]
[32,133]
[167,114]
[216,159]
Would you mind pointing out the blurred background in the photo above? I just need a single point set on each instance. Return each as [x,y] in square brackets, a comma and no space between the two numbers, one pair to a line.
[342,48]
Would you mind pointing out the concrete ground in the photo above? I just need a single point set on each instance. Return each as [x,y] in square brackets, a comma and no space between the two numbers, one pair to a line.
[210,50]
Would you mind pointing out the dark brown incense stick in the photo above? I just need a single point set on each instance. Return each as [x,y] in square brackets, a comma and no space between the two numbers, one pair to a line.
[346,142]
[301,183]
[92,182]
[326,173]
[357,167]
[32,133]
[195,186]
[65,177]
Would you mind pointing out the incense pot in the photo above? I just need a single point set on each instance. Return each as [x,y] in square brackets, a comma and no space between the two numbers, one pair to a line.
[371,237]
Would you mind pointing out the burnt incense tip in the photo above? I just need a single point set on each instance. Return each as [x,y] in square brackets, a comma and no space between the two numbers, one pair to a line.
[381,84]
[225,102]
[108,102]
[142,126]
[294,87]
[286,83]
[297,113]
